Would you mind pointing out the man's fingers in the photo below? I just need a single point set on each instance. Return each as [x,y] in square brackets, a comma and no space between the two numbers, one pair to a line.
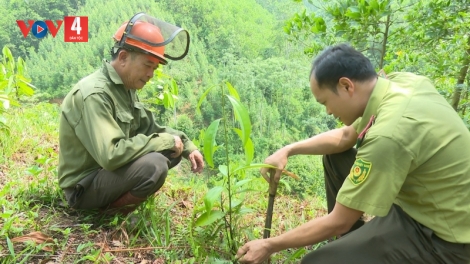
[193,162]
[241,251]
[200,164]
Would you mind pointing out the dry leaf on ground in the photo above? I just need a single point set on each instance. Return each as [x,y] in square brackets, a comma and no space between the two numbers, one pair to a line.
[37,237]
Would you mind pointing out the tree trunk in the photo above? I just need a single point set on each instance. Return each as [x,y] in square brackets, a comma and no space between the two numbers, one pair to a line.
[384,42]
[465,97]
[461,80]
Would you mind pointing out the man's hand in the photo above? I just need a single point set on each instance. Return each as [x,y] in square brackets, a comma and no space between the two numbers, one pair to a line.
[279,160]
[255,251]
[197,162]
[178,148]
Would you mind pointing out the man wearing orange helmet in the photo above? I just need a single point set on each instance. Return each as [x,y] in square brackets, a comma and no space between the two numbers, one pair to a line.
[113,155]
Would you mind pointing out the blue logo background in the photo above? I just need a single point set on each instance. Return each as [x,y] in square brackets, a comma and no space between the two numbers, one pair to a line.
[35,32]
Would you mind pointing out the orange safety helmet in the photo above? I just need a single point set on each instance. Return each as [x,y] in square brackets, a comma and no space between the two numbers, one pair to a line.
[149,35]
[143,31]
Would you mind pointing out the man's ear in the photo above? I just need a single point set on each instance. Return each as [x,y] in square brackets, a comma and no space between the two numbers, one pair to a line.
[347,84]
[123,56]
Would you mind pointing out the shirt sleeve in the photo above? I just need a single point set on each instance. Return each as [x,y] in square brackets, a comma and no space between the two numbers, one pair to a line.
[375,179]
[150,126]
[104,139]
[188,144]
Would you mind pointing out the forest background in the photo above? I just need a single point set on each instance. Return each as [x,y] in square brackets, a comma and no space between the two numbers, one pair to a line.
[257,52]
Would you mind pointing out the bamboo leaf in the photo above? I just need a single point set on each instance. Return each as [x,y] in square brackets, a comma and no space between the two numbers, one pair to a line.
[209,142]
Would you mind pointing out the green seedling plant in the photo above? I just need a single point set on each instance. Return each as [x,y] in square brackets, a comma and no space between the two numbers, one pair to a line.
[13,84]
[161,90]
[223,205]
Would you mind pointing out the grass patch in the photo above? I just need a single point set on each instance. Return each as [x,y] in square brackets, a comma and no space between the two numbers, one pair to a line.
[37,226]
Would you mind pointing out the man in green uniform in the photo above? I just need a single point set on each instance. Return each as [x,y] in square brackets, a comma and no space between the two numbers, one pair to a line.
[403,156]
[113,155]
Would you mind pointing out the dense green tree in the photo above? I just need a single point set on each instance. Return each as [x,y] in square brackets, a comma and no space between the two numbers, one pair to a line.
[441,28]
[425,37]
[242,28]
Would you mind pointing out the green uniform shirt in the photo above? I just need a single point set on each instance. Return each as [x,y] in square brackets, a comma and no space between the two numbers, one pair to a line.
[103,125]
[416,154]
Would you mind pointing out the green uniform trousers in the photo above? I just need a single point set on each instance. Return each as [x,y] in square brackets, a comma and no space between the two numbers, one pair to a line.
[395,238]
[141,177]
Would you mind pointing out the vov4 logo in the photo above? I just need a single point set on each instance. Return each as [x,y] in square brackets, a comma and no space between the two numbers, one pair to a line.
[75,28]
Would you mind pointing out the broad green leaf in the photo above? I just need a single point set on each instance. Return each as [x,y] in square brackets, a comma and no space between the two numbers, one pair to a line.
[174,87]
[320,24]
[254,166]
[5,104]
[26,81]
[10,247]
[245,210]
[374,5]
[353,12]
[297,254]
[166,101]
[208,218]
[236,202]
[241,114]
[242,182]
[202,98]
[7,54]
[224,170]
[246,190]
[20,67]
[11,84]
[24,89]
[212,196]
[233,92]
[248,148]
[209,142]
[239,133]
[249,151]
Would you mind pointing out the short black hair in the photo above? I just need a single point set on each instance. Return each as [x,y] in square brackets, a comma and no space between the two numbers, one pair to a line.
[339,61]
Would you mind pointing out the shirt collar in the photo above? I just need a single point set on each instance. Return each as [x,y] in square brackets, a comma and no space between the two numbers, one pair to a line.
[111,73]
[380,89]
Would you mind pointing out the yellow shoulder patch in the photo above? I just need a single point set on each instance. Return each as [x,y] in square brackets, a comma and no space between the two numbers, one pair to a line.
[359,171]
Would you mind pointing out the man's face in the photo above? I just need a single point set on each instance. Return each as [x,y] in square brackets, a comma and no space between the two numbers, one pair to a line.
[338,104]
[137,70]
